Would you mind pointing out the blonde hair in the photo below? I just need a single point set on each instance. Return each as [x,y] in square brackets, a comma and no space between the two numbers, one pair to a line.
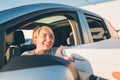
[37,30]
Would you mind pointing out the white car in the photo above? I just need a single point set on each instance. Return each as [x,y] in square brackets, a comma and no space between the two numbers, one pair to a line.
[72,26]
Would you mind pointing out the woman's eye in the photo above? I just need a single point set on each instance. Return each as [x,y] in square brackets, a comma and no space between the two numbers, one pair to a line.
[43,35]
[51,36]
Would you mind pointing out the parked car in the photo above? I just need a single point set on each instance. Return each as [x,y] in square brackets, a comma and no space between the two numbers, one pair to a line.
[72,27]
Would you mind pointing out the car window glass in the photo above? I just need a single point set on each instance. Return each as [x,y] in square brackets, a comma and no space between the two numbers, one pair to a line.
[97,29]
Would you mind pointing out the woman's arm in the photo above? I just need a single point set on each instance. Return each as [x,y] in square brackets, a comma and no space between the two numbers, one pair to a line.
[59,54]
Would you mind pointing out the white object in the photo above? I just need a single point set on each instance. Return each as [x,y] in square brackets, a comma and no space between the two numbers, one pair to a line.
[103,57]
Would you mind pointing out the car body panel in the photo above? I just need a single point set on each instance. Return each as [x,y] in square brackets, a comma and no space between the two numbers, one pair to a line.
[103,57]
[22,10]
[57,72]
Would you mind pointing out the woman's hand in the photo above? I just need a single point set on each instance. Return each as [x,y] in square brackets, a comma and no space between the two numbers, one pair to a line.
[59,54]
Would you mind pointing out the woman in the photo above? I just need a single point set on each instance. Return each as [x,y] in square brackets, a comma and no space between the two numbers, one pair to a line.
[43,37]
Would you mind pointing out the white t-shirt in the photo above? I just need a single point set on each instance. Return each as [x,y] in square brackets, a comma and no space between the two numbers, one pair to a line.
[51,52]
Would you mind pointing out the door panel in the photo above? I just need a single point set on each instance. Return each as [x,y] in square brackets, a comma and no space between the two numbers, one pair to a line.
[103,57]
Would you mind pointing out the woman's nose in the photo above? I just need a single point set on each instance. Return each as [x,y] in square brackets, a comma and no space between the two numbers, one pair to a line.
[49,38]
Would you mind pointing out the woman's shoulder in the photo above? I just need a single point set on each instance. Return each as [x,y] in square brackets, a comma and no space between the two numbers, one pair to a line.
[28,52]
[53,50]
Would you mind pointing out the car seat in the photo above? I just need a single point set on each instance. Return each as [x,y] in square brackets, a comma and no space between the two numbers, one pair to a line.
[70,39]
[14,40]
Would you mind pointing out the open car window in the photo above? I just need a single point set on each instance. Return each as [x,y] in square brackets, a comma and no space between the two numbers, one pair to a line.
[64,25]
[97,28]
[60,24]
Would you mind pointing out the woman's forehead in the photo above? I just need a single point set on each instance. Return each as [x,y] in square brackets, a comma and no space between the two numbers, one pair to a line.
[46,31]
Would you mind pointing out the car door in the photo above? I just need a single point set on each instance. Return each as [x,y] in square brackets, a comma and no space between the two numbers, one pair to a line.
[101,58]
[2,48]
[64,21]
[96,57]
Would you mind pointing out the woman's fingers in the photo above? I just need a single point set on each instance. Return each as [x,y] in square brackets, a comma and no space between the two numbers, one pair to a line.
[59,51]
[59,54]
[68,58]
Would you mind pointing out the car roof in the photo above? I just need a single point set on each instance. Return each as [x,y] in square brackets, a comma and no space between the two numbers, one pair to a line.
[18,11]
[12,13]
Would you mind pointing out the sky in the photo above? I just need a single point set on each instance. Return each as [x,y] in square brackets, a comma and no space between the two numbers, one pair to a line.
[5,4]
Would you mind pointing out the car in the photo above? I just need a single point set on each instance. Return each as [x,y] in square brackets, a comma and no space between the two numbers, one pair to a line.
[72,26]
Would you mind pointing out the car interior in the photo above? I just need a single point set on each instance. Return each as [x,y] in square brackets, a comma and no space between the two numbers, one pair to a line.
[17,43]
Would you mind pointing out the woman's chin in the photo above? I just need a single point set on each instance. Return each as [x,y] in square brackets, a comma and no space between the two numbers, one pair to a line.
[47,48]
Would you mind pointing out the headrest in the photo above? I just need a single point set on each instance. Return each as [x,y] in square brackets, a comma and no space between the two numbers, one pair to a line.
[70,39]
[15,38]
[9,38]
[18,38]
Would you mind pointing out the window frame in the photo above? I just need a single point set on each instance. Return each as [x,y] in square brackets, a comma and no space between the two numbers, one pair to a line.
[102,23]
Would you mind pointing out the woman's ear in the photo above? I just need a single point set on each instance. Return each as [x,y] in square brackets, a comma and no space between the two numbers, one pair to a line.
[35,41]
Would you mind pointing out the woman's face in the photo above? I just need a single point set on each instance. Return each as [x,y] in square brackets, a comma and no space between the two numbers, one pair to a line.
[45,40]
